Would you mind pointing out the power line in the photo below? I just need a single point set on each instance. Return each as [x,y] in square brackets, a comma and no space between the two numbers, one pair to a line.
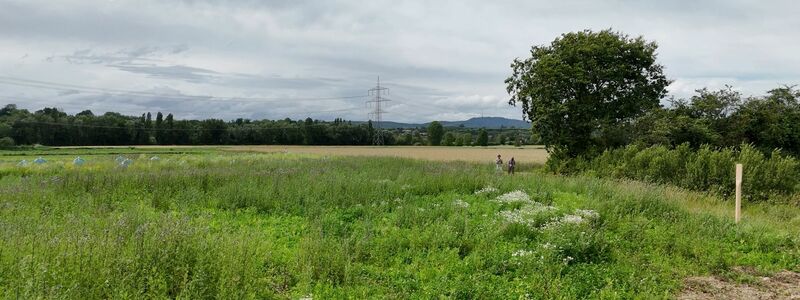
[378,112]
[120,92]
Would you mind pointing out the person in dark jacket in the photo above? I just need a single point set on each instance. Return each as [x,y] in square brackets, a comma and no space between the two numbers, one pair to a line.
[511,164]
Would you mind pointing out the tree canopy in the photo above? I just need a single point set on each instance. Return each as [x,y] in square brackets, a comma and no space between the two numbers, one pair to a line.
[580,88]
[435,133]
[483,137]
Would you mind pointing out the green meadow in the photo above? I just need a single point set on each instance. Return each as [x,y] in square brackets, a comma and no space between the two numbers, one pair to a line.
[208,224]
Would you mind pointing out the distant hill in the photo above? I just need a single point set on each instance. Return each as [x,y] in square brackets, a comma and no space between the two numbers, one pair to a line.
[484,122]
[488,122]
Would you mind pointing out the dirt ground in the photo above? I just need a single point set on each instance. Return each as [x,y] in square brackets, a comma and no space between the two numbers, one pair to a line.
[783,285]
[526,155]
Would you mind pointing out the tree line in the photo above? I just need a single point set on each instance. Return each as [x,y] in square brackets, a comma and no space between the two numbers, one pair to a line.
[53,127]
[723,118]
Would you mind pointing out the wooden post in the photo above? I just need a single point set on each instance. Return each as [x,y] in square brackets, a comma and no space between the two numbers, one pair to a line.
[738,192]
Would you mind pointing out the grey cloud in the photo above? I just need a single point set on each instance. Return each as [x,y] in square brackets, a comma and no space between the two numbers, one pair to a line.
[82,21]
[67,93]
[179,49]
[122,56]
[278,82]
[451,52]
[190,74]
[201,75]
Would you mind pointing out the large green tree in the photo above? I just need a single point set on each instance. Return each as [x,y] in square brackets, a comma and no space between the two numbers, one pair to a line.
[435,133]
[583,86]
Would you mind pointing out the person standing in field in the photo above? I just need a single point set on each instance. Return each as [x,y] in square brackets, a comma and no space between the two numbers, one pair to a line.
[511,165]
[498,164]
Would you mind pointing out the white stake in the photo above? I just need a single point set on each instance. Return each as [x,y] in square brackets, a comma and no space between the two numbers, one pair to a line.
[738,192]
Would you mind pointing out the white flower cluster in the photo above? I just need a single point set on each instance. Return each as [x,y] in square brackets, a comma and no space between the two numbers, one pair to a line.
[530,211]
[511,197]
[587,213]
[525,215]
[572,219]
[460,203]
[521,252]
[486,190]
[580,217]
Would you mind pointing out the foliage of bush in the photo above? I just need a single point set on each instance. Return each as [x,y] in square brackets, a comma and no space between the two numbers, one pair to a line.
[6,142]
[705,169]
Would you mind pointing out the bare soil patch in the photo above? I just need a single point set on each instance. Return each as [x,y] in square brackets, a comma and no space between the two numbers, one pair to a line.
[783,285]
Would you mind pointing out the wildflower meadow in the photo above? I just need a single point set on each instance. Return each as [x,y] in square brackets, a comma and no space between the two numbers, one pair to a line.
[253,226]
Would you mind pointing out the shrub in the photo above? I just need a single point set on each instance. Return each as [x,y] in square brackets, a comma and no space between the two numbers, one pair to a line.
[6,142]
[704,169]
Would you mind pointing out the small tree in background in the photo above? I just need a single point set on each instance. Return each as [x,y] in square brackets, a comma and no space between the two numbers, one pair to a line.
[417,140]
[483,137]
[449,139]
[435,133]
[467,139]
[159,128]
[169,134]
[460,140]
[406,139]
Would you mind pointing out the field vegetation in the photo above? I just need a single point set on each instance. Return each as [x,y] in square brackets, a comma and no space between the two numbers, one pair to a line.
[278,225]
[768,177]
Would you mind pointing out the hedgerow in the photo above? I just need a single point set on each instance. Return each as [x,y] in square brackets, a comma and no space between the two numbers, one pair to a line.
[705,169]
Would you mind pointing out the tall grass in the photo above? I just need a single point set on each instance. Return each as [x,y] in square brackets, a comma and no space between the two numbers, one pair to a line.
[290,226]
[705,169]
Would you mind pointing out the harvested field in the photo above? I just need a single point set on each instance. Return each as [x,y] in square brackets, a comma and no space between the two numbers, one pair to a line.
[523,155]
[528,154]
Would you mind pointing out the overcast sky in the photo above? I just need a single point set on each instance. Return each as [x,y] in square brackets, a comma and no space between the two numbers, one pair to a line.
[442,60]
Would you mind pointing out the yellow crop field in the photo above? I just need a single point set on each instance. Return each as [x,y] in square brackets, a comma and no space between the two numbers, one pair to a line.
[528,154]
